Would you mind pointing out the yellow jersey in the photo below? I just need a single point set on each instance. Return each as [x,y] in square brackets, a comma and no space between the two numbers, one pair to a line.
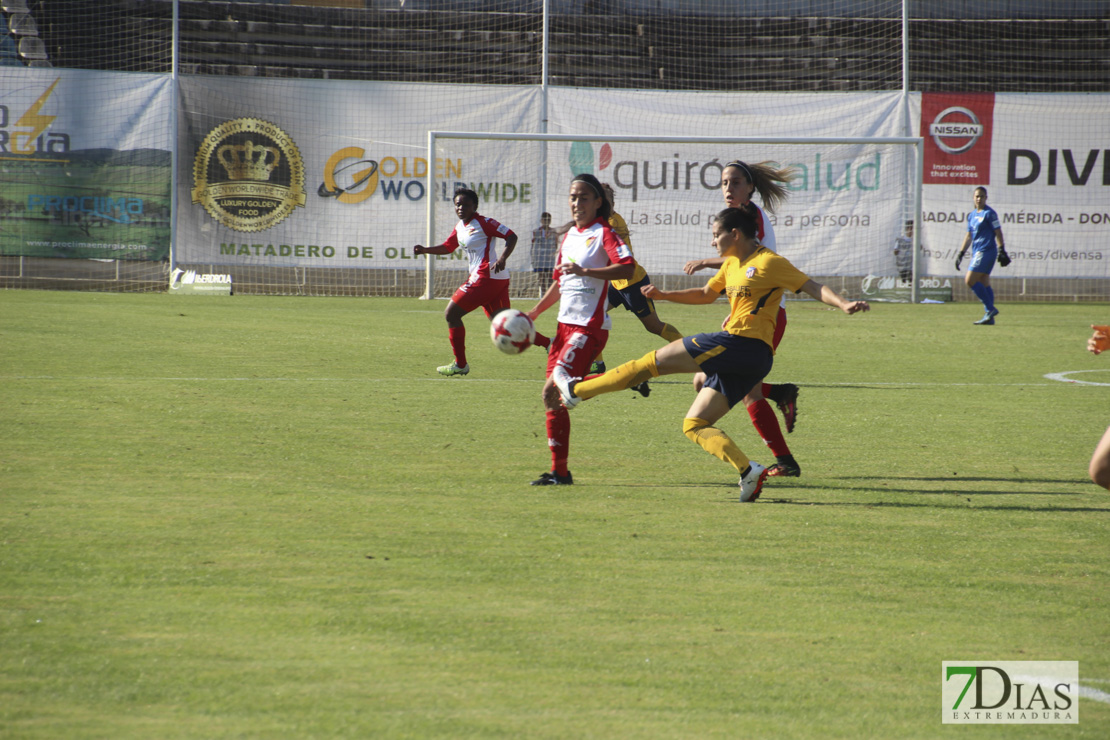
[754,287]
[617,223]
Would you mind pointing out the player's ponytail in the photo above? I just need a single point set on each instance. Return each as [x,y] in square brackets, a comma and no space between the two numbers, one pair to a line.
[768,180]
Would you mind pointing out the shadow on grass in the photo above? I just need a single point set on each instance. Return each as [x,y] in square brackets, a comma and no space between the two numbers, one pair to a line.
[968,478]
[770,489]
[925,492]
[931,505]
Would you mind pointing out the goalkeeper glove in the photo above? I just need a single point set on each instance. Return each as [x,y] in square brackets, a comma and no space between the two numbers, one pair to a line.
[959,258]
[1003,258]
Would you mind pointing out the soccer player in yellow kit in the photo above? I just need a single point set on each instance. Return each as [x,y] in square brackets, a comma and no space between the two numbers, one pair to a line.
[734,360]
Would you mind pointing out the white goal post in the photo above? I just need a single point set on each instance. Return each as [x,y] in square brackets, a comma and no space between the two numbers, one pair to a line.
[852,198]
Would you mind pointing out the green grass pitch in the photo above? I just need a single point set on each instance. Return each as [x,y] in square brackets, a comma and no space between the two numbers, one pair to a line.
[269,517]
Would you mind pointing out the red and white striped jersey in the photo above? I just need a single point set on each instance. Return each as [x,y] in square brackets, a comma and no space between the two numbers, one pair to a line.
[766,232]
[583,300]
[476,237]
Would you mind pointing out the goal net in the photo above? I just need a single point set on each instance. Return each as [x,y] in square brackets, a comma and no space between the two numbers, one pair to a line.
[847,211]
[284,142]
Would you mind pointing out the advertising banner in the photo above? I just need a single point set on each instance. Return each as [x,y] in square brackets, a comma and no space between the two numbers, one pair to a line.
[843,210]
[1045,162]
[957,128]
[340,182]
[333,174]
[86,164]
[302,173]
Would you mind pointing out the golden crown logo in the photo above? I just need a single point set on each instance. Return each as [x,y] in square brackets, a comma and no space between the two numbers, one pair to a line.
[258,194]
[248,161]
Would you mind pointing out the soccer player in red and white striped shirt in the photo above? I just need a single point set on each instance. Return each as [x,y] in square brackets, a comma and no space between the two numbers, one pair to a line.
[487,286]
[590,255]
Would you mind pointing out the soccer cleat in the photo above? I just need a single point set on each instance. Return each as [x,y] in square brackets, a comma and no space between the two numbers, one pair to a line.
[453,369]
[988,318]
[784,470]
[554,479]
[643,389]
[787,402]
[565,384]
[597,368]
[751,483]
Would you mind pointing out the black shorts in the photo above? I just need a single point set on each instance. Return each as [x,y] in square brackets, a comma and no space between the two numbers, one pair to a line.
[732,364]
[633,299]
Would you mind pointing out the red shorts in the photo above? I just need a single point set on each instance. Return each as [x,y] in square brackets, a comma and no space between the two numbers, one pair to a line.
[780,328]
[575,347]
[485,293]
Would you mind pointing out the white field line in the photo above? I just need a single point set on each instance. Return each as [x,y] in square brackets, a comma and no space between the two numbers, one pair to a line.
[679,381]
[1063,377]
[1088,693]
[682,381]
[1085,692]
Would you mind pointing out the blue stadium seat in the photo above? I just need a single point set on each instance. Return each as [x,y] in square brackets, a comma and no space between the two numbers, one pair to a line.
[9,53]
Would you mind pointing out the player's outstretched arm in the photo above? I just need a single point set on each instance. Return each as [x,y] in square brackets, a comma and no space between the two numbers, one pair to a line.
[689,296]
[614,271]
[438,249]
[694,265]
[549,299]
[827,295]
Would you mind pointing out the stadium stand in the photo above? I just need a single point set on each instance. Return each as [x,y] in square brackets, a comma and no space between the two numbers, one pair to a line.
[1071,55]
[659,51]
[22,44]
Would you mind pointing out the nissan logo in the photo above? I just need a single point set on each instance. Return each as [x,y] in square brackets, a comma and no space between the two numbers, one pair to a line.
[966,131]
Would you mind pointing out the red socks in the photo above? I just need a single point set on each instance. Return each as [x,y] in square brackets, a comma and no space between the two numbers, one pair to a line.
[767,424]
[458,344]
[558,439]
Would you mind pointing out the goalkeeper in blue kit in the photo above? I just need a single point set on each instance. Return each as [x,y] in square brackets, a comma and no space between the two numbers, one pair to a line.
[984,231]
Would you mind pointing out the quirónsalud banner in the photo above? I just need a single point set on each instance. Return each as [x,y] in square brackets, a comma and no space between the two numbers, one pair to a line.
[86,163]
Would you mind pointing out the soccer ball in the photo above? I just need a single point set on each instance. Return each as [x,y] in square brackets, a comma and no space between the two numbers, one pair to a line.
[512,331]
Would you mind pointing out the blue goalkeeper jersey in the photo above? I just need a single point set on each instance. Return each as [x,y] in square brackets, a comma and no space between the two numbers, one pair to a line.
[982,225]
